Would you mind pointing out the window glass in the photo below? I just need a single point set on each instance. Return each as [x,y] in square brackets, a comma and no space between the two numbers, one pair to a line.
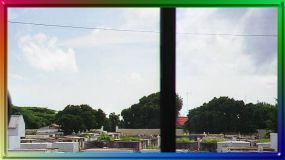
[84,79]
[227,79]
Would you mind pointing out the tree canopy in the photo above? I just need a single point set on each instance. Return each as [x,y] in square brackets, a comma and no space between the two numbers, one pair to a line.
[114,121]
[88,117]
[35,117]
[146,113]
[224,115]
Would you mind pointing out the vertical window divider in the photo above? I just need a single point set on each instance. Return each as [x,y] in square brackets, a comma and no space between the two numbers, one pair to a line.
[167,79]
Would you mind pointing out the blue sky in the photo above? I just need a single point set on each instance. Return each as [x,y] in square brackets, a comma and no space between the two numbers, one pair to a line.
[53,67]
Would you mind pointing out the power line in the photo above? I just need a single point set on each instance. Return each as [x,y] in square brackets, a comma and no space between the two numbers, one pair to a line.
[80,27]
[229,34]
[144,31]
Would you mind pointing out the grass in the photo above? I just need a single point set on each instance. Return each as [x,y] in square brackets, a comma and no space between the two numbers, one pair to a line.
[184,139]
[264,140]
[152,147]
[213,140]
[129,139]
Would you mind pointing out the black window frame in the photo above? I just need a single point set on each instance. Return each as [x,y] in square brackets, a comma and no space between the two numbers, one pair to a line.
[167,74]
[167,79]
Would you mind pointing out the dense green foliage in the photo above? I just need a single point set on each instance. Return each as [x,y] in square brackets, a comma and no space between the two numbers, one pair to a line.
[35,117]
[184,139]
[146,113]
[80,118]
[225,115]
[114,121]
[213,140]
[220,115]
[105,137]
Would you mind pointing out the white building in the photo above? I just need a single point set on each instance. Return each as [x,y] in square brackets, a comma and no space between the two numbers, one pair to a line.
[274,141]
[16,130]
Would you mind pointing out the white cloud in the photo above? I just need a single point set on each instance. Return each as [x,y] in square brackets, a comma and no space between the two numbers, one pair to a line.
[43,53]
[146,19]
[209,66]
[128,63]
[104,38]
[141,18]
[136,77]
[16,76]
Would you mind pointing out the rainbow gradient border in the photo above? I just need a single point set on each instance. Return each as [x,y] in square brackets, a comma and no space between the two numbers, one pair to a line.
[279,4]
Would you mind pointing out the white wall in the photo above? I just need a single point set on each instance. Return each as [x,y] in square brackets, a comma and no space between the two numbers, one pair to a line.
[274,141]
[13,132]
[36,145]
[13,142]
[22,127]
[37,136]
[225,144]
[66,146]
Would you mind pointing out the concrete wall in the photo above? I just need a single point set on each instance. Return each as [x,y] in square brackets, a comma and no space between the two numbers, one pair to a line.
[29,150]
[61,146]
[37,136]
[66,146]
[264,145]
[225,144]
[22,127]
[274,141]
[36,145]
[14,142]
[115,144]
[19,130]
[13,131]
[208,147]
[191,146]
[135,132]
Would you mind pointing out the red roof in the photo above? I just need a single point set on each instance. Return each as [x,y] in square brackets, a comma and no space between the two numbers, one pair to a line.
[180,121]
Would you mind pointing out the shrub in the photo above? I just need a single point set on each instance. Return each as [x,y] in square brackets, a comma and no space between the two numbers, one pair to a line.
[213,140]
[129,139]
[105,137]
[184,139]
[264,140]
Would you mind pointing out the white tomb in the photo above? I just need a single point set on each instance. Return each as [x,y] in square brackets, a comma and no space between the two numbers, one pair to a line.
[274,141]
[36,145]
[16,130]
[66,146]
[223,146]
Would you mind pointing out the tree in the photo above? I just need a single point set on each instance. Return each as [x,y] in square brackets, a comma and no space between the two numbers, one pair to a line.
[100,118]
[35,117]
[146,113]
[72,123]
[83,113]
[107,125]
[114,121]
[224,115]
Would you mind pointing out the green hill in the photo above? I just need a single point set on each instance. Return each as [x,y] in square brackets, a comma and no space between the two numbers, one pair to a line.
[35,117]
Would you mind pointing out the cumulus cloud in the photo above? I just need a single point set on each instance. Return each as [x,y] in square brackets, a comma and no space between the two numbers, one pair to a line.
[42,52]
[16,76]
[239,67]
[146,19]
[143,18]
[104,38]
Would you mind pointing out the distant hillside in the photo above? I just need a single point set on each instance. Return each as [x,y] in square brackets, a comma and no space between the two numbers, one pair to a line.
[35,117]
